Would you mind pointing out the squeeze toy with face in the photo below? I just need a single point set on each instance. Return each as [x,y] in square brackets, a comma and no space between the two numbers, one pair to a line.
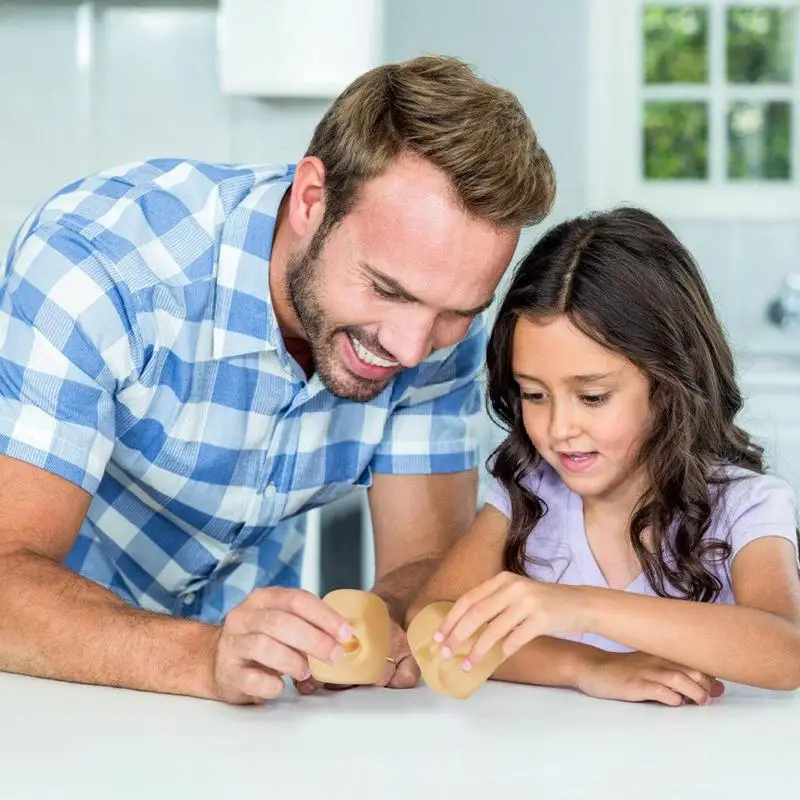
[444,675]
[366,653]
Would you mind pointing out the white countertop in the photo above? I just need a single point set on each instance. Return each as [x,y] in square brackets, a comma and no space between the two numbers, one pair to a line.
[766,340]
[66,741]
[769,357]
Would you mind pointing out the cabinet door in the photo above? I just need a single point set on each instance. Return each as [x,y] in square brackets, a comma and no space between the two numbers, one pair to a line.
[772,417]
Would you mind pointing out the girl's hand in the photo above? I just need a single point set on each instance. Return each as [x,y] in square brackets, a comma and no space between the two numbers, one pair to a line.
[638,677]
[515,610]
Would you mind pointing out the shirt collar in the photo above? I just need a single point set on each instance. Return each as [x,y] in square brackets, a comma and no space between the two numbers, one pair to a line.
[244,317]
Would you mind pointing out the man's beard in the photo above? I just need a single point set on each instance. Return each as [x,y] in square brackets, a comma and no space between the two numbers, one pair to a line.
[304,289]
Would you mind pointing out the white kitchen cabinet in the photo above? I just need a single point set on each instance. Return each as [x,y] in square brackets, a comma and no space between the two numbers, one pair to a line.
[296,48]
[771,386]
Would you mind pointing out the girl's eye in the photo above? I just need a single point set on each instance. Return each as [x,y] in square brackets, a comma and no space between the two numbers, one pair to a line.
[595,399]
[533,397]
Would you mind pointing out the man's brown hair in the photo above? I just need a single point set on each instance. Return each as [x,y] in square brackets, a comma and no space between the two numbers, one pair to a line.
[437,108]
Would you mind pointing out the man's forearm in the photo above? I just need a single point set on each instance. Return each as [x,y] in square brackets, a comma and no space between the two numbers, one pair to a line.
[56,624]
[399,587]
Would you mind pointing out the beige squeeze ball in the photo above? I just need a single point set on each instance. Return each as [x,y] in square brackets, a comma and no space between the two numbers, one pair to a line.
[444,675]
[367,652]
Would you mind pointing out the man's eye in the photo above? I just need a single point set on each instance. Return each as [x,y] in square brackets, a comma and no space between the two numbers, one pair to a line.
[387,294]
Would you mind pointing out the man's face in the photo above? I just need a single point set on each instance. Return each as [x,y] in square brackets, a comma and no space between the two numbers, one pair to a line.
[402,275]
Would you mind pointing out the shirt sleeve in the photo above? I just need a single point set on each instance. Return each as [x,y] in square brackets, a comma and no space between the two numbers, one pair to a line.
[65,348]
[758,506]
[497,496]
[434,427]
[533,480]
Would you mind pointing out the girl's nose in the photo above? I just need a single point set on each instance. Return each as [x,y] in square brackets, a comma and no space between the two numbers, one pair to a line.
[563,421]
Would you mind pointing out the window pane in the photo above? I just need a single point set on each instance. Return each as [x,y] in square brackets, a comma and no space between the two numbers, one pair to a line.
[675,44]
[759,141]
[675,140]
[761,43]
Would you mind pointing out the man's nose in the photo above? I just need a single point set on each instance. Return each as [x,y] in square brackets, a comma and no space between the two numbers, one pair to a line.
[409,341]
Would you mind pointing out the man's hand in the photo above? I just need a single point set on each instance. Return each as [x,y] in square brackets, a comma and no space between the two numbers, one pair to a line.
[639,677]
[271,634]
[402,672]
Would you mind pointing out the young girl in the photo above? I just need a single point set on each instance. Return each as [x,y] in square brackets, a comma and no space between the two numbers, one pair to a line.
[631,546]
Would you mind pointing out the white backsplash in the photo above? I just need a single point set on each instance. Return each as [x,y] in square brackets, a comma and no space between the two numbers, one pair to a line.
[744,264]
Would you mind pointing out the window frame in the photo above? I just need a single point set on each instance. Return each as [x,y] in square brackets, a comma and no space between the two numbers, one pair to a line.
[614,109]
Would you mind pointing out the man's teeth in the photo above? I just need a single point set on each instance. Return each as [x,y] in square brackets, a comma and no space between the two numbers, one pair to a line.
[369,357]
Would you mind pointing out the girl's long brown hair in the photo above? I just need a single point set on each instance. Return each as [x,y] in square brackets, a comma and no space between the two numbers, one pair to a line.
[623,278]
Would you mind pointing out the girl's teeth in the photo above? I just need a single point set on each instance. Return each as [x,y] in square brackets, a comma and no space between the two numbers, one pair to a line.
[368,357]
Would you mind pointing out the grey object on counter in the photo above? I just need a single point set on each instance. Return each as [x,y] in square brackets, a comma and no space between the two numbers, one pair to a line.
[784,310]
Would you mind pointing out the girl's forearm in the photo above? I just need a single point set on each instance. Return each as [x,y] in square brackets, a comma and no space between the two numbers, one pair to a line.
[735,643]
[548,661]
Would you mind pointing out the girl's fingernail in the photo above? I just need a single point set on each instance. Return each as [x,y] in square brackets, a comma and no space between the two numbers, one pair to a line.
[306,675]
[345,633]
[446,652]
[466,665]
[336,654]
[437,637]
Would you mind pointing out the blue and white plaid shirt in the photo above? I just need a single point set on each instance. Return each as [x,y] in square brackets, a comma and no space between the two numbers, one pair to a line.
[140,358]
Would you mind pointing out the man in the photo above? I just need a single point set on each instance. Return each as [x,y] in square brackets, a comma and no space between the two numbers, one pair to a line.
[193,355]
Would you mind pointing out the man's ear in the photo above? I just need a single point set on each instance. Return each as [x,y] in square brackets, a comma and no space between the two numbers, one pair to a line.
[307,200]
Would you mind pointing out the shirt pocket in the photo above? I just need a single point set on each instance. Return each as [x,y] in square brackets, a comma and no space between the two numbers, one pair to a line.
[330,492]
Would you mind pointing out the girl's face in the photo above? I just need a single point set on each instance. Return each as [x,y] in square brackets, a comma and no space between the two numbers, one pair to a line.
[585,408]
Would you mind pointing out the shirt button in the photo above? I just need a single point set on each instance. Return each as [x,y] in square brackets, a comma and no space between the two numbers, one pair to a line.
[189,599]
[270,490]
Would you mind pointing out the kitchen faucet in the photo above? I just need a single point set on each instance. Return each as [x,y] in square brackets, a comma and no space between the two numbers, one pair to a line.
[784,310]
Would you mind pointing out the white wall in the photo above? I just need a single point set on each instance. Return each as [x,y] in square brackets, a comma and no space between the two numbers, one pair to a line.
[84,86]
[531,47]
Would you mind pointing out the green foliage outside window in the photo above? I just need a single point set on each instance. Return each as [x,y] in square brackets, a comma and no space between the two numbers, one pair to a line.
[675,44]
[675,140]
[760,44]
